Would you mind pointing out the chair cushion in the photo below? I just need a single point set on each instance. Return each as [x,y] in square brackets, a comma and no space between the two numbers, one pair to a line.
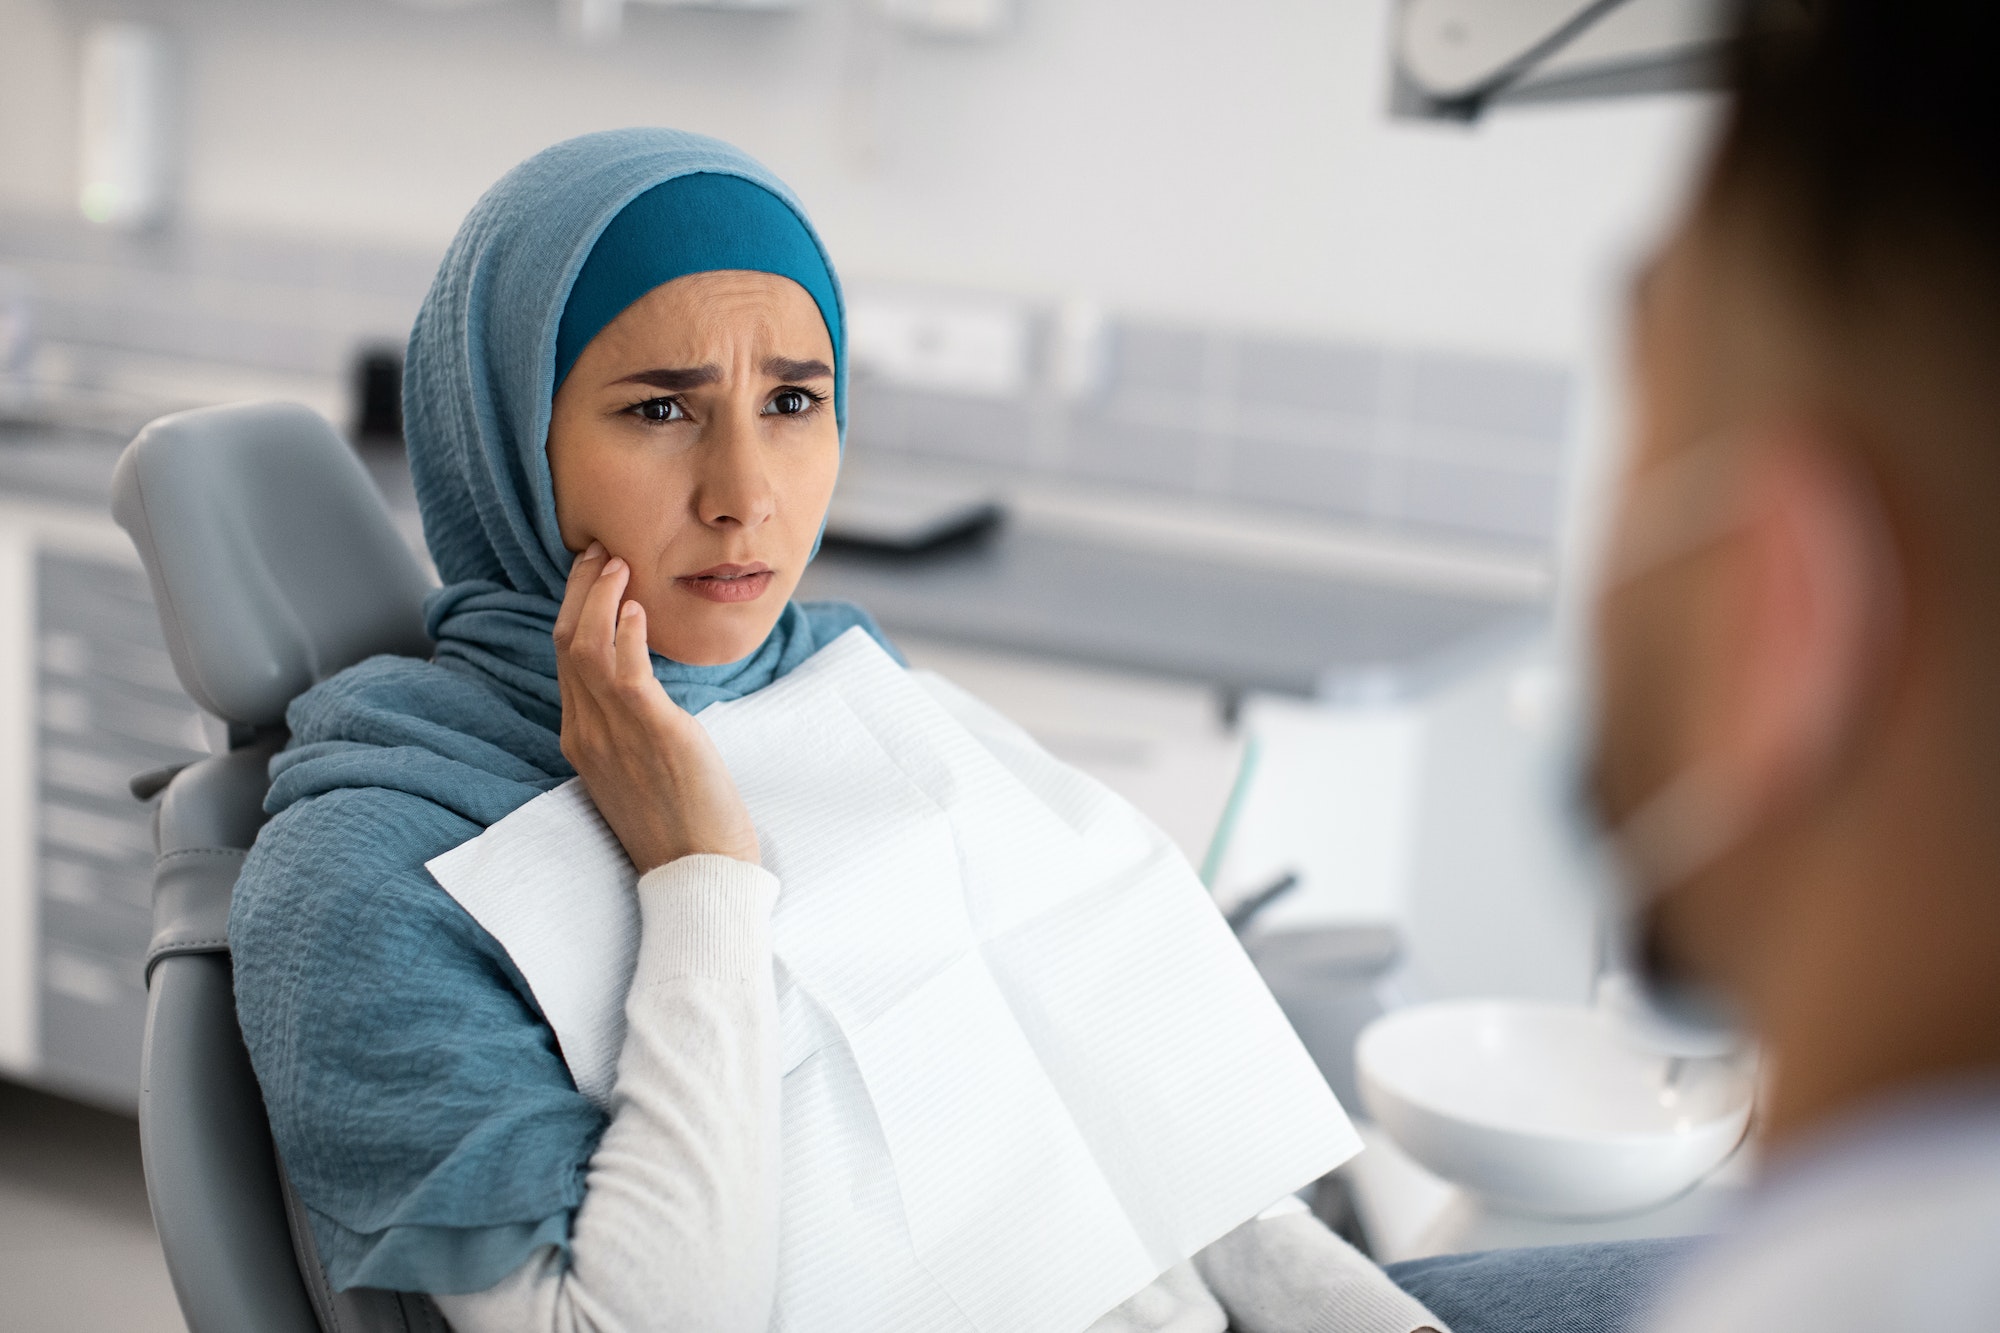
[272,556]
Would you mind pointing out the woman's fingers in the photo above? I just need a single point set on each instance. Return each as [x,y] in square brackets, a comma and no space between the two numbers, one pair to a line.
[591,646]
[633,662]
[655,775]
[583,572]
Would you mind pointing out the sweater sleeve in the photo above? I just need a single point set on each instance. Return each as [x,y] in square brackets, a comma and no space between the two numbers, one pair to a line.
[1284,1272]
[679,1222]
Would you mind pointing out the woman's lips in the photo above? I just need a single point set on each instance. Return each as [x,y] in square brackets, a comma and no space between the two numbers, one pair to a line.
[728,583]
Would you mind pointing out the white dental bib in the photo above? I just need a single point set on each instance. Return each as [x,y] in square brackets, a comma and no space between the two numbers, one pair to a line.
[1027,1068]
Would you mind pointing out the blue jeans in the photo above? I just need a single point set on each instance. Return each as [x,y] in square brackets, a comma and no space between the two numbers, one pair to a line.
[1602,1287]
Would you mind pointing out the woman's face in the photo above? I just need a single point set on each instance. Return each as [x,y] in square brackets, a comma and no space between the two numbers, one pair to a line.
[695,438]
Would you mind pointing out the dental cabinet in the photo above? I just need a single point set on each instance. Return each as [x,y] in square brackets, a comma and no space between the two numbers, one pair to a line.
[90,701]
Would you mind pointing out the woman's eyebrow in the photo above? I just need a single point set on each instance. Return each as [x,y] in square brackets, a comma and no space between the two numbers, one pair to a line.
[784,368]
[674,379]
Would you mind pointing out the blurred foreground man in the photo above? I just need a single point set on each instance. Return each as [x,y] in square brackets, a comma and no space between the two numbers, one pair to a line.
[1799,645]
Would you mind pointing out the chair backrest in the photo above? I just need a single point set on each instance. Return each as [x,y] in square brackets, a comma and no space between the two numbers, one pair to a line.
[274,564]
[272,557]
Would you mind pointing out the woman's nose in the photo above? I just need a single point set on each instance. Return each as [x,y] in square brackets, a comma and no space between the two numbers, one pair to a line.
[736,486]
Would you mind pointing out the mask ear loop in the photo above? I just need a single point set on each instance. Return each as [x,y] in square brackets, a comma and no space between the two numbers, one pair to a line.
[1682,829]
[1688,523]
[1694,818]
[1702,812]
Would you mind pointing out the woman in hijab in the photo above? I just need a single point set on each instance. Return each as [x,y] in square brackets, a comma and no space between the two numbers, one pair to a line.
[625,406]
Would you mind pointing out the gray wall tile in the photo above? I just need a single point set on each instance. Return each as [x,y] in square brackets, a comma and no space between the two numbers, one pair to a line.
[946,425]
[874,415]
[1153,358]
[1447,444]
[1488,502]
[1303,476]
[1299,425]
[1320,377]
[1159,457]
[1505,398]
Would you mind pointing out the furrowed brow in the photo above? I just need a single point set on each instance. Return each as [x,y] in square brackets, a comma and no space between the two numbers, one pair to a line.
[674,379]
[784,368]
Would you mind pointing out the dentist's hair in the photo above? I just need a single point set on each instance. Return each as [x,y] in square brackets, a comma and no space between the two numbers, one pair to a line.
[1871,129]
[1856,178]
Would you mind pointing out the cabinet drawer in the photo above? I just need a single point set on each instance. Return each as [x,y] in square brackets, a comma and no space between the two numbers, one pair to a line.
[107,707]
[93,1021]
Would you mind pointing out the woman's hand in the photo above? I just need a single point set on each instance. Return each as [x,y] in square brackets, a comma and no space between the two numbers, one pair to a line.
[653,772]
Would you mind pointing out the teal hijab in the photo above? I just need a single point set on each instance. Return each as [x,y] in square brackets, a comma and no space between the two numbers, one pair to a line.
[552,254]
[700,223]
[418,1101]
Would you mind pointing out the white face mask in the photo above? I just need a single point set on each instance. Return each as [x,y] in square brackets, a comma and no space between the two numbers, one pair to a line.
[1696,815]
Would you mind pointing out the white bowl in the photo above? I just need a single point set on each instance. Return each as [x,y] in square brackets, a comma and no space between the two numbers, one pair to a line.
[1544,1109]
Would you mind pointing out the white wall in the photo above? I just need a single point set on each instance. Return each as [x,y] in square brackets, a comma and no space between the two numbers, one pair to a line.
[1199,159]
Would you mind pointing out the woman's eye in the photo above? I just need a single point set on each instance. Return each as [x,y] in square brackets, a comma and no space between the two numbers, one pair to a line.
[791,402]
[661,409]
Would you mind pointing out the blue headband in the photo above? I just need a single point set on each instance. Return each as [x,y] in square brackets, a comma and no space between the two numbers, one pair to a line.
[697,223]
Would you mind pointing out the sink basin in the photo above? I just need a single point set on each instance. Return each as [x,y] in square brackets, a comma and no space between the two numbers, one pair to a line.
[1547,1109]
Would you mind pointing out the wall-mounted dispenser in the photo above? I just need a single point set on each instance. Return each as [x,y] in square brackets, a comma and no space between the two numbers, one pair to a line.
[950,18]
[126,125]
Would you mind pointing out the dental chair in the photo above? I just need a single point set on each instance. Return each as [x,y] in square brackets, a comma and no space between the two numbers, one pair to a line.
[274,564]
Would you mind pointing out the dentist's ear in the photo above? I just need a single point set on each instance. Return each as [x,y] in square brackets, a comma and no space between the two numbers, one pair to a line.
[1813,615]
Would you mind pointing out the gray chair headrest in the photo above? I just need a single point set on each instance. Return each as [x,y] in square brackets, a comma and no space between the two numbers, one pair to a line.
[272,556]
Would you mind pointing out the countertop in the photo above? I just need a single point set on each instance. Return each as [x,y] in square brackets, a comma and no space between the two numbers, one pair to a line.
[1074,590]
